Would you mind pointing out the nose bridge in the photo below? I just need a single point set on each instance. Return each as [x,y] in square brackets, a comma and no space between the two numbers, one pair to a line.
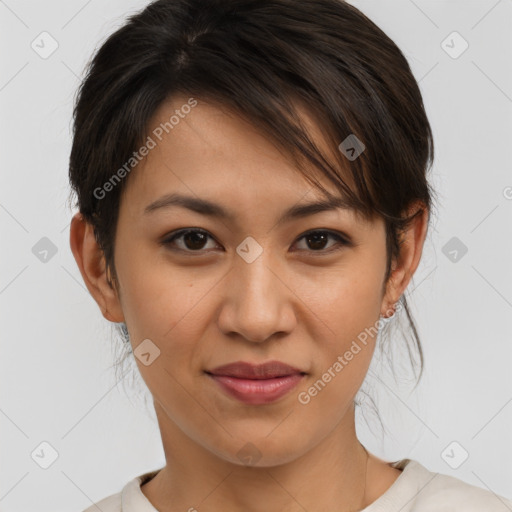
[257,301]
[257,278]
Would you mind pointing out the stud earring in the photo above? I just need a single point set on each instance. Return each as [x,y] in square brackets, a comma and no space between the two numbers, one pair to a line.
[394,309]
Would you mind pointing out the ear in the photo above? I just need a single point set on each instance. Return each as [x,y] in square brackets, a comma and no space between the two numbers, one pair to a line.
[411,248]
[91,262]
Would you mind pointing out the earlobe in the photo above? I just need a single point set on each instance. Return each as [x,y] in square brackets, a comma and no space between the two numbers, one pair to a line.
[411,248]
[91,263]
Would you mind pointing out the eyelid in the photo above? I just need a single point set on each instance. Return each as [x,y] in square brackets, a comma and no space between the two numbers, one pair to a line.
[170,237]
[339,234]
[343,239]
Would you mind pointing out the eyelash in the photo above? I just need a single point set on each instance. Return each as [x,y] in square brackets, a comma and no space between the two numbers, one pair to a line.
[342,241]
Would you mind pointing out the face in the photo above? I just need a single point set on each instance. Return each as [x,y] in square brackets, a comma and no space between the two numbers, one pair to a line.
[249,286]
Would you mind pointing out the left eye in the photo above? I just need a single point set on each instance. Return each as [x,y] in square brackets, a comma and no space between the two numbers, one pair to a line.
[316,240]
[193,240]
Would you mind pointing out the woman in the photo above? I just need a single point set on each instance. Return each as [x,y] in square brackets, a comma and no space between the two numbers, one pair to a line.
[253,202]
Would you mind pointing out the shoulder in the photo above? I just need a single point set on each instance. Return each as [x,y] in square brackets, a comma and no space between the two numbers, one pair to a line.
[129,499]
[429,491]
[109,504]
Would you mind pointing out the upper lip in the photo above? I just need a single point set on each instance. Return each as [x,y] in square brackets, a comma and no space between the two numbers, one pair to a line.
[244,370]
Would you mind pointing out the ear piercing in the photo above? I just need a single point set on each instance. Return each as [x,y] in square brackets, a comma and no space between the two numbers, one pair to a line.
[394,309]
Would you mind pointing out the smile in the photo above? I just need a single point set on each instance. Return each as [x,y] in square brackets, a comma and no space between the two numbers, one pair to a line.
[257,391]
[256,384]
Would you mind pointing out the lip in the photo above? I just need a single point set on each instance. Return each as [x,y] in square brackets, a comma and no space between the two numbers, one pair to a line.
[256,384]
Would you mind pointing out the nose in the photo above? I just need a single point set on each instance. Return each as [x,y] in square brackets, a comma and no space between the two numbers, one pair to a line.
[258,301]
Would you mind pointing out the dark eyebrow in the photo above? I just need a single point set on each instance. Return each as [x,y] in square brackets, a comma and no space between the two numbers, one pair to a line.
[205,207]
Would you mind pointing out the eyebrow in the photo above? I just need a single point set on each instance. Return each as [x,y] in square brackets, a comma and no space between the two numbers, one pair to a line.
[206,207]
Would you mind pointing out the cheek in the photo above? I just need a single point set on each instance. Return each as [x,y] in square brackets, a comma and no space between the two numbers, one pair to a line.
[153,293]
[347,298]
[348,302]
[169,305]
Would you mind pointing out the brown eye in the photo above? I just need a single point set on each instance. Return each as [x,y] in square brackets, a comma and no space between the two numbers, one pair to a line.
[190,240]
[316,241]
[195,241]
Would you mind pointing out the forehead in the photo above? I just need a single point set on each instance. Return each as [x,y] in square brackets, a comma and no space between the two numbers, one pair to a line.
[209,151]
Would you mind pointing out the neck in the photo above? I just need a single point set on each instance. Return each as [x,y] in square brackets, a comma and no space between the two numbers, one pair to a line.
[329,476]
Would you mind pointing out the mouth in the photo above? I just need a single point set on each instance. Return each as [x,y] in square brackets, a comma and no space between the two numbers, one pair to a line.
[256,384]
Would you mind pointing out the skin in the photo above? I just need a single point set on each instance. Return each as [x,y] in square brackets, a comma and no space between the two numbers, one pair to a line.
[206,308]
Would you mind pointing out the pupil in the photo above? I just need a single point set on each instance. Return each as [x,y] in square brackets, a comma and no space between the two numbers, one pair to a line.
[317,238]
[194,240]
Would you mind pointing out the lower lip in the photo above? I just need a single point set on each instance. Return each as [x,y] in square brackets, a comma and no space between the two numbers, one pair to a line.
[256,392]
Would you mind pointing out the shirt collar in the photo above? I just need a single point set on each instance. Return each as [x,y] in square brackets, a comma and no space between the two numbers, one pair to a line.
[132,497]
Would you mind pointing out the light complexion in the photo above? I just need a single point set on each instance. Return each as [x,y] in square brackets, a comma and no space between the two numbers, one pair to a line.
[302,301]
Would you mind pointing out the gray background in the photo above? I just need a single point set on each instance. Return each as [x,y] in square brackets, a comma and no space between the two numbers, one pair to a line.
[58,386]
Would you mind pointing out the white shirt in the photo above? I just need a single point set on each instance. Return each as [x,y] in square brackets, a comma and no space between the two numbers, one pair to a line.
[415,490]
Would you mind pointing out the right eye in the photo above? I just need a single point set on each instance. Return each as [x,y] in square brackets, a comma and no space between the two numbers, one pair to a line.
[188,240]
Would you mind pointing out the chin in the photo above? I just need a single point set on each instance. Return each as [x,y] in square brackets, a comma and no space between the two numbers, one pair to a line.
[260,451]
